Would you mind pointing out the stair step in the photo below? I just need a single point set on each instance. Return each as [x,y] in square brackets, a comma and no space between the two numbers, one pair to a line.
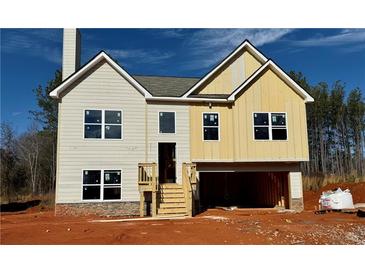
[171,190]
[170,186]
[171,215]
[172,195]
[172,200]
[171,210]
[172,205]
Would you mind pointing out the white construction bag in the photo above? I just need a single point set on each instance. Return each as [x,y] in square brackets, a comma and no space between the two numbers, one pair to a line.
[336,199]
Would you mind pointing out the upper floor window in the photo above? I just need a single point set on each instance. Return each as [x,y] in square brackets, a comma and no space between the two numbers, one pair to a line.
[210,126]
[270,126]
[166,122]
[103,124]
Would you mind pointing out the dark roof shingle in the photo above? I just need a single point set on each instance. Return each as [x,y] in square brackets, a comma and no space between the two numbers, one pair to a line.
[166,86]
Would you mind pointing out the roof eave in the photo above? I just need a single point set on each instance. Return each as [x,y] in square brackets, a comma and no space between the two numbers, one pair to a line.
[181,99]
[102,55]
[270,64]
[246,44]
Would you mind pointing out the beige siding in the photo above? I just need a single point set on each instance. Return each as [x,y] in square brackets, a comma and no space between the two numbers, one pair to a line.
[102,88]
[71,52]
[267,94]
[233,74]
[181,136]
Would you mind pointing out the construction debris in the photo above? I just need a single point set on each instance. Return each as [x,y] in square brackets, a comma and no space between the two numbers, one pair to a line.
[335,200]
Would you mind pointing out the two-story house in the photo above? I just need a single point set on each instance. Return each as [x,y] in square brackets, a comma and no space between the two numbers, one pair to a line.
[170,146]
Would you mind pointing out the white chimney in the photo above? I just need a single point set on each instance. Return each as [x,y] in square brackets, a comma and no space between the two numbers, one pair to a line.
[71,52]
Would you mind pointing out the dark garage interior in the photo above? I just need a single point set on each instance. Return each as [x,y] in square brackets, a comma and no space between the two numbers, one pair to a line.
[243,189]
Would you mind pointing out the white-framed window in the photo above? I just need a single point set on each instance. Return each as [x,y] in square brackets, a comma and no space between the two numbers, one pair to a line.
[166,122]
[103,124]
[210,126]
[101,185]
[270,126]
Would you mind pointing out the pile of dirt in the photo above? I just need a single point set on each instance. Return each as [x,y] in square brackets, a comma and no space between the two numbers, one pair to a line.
[357,191]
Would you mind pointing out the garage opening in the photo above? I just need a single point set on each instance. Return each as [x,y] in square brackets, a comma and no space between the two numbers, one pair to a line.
[244,189]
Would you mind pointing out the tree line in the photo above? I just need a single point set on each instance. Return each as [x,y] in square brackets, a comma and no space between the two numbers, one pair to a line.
[336,132]
[336,136]
[28,160]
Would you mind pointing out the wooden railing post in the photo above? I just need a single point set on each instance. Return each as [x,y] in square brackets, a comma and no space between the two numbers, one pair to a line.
[154,190]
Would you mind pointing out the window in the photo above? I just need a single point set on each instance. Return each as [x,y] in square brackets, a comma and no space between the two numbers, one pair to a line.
[101,185]
[167,122]
[100,124]
[270,126]
[113,122]
[211,126]
[278,126]
[112,185]
[91,185]
[261,126]
[92,125]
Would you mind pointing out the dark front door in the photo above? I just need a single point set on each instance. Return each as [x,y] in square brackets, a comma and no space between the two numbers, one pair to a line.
[167,162]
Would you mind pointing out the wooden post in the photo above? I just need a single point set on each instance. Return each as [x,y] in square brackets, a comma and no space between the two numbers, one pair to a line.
[154,204]
[141,204]
[154,191]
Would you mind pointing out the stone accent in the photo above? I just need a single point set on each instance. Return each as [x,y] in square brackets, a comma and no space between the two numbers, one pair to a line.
[297,204]
[98,208]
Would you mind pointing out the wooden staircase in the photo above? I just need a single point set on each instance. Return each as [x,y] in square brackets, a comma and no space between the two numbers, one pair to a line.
[171,201]
[168,200]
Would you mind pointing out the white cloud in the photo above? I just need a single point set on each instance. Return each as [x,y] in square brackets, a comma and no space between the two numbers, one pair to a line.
[344,37]
[140,55]
[16,113]
[208,46]
[42,43]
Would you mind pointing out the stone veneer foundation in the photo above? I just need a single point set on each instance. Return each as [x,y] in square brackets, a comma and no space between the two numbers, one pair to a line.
[98,208]
[297,204]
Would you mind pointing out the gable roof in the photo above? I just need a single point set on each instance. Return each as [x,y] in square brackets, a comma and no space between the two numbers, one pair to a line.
[279,72]
[244,45]
[95,60]
[168,88]
[166,85]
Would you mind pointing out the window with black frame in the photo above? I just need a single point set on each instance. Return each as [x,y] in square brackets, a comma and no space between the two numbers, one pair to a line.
[166,122]
[210,126]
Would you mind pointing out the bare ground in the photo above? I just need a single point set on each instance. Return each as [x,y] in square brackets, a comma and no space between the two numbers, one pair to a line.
[214,226]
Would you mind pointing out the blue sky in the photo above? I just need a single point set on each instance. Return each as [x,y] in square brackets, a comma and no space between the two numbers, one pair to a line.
[29,57]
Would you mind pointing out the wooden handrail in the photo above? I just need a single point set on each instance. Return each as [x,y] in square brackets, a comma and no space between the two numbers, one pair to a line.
[147,181]
[147,173]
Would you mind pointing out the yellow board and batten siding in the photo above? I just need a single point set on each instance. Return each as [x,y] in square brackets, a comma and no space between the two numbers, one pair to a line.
[267,94]
[230,76]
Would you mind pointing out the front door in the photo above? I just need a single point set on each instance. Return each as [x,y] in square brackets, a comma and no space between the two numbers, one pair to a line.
[167,162]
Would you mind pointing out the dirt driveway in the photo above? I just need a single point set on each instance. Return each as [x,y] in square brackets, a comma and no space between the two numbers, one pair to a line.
[211,227]
[214,226]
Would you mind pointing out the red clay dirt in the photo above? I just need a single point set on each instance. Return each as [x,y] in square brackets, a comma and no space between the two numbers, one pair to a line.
[215,226]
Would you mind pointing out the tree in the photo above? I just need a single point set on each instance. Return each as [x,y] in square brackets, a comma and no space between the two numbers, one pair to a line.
[356,114]
[336,130]
[13,175]
[28,149]
[48,117]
